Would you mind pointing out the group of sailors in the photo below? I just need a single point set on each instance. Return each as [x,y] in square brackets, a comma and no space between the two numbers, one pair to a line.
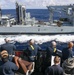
[10,63]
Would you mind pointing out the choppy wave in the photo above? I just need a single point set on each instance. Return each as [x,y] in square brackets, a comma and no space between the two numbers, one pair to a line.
[38,38]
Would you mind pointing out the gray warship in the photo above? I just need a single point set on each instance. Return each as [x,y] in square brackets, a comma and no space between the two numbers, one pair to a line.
[24,24]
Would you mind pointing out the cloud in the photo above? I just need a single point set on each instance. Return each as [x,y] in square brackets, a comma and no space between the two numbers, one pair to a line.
[34,3]
[3,4]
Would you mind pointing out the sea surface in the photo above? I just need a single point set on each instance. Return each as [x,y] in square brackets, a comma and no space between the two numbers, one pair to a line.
[43,40]
[39,14]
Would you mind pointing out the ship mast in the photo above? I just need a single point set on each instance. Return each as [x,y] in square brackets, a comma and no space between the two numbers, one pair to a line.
[71,14]
[21,13]
[17,13]
[51,15]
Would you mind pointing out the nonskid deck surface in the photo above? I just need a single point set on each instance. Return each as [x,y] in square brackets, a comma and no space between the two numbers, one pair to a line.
[19,74]
[35,73]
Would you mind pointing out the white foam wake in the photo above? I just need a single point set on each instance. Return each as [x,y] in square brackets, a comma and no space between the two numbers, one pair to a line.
[38,38]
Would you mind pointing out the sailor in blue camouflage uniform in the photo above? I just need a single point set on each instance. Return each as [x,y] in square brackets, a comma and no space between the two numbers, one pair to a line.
[32,49]
[51,51]
[7,67]
[68,51]
[9,47]
[55,69]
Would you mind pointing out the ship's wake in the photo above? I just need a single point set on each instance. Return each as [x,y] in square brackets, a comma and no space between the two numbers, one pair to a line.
[38,38]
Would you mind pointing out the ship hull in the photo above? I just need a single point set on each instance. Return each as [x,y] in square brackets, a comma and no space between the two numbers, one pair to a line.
[42,30]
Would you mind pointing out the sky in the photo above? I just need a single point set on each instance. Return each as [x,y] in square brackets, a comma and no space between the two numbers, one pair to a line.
[33,4]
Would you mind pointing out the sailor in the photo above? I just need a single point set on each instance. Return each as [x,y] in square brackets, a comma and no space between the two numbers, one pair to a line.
[55,69]
[6,67]
[9,47]
[32,49]
[51,49]
[67,52]
[51,52]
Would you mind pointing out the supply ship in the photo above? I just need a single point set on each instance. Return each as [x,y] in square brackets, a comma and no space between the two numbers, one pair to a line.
[24,24]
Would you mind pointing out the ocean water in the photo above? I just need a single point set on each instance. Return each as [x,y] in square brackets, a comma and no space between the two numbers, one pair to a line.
[43,40]
[39,14]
